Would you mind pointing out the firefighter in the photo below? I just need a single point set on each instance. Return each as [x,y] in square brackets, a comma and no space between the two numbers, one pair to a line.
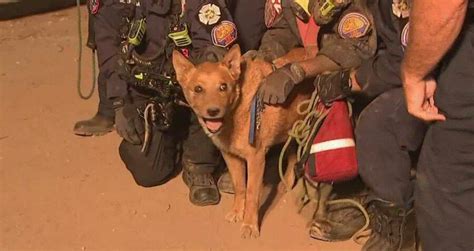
[388,138]
[148,117]
[108,25]
[442,37]
[346,37]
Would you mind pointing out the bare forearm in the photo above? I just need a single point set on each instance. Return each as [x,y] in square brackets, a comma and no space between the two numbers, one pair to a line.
[318,65]
[434,27]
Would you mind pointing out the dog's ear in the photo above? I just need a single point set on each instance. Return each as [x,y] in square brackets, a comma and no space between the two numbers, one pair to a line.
[182,66]
[232,60]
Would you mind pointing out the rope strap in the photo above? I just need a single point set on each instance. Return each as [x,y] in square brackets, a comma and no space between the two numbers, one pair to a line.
[79,59]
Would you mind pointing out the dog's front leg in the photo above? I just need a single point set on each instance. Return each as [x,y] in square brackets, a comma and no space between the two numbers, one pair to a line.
[255,167]
[236,168]
[289,179]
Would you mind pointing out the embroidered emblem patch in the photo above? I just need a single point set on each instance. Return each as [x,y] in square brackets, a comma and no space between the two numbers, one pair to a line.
[94,6]
[209,14]
[400,8]
[404,35]
[273,10]
[224,34]
[353,25]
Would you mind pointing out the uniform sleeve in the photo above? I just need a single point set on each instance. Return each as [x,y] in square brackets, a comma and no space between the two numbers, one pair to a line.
[379,74]
[340,51]
[211,29]
[352,38]
[279,39]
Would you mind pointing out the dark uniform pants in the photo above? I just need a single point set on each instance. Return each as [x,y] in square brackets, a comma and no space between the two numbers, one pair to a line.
[156,165]
[386,135]
[444,194]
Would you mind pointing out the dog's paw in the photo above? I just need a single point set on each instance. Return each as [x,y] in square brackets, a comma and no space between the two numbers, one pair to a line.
[249,231]
[235,216]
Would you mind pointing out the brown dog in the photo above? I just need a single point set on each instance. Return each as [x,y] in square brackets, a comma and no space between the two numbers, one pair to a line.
[221,98]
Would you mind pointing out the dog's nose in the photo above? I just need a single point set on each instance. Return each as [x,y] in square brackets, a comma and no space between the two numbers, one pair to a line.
[213,111]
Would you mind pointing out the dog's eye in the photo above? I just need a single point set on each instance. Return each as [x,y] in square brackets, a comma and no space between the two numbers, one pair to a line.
[223,87]
[197,89]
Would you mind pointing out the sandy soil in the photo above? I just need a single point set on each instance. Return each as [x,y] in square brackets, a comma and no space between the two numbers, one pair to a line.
[64,192]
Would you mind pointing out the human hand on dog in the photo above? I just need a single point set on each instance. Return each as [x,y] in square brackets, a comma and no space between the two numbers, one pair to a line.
[276,87]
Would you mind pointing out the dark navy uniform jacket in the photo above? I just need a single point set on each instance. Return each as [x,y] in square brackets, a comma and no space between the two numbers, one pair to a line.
[382,72]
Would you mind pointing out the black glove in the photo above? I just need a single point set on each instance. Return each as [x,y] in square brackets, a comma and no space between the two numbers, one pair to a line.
[333,86]
[128,124]
[276,87]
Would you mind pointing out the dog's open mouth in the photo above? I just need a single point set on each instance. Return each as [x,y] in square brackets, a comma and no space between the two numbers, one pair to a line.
[213,125]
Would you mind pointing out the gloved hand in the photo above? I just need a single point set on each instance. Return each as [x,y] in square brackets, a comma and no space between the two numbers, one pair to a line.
[128,124]
[333,86]
[276,87]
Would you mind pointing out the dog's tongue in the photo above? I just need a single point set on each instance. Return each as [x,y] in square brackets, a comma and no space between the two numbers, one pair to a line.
[213,125]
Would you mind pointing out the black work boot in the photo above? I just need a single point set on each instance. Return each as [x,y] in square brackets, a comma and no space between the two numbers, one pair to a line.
[342,222]
[202,187]
[96,126]
[393,227]
[225,184]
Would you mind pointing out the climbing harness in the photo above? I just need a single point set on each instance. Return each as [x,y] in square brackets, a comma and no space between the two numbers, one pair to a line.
[152,75]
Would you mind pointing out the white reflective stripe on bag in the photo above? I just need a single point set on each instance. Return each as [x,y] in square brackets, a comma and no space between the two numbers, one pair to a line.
[332,144]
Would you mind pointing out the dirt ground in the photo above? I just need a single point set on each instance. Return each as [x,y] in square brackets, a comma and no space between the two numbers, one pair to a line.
[64,192]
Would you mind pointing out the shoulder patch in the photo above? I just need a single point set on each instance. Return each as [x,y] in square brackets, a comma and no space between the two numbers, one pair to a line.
[353,25]
[94,6]
[224,34]
[273,11]
[209,14]
[404,35]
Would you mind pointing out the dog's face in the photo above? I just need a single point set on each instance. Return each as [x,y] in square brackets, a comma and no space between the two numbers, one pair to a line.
[211,89]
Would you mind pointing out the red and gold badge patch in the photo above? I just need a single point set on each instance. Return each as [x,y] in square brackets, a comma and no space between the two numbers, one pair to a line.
[273,10]
[224,34]
[353,25]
